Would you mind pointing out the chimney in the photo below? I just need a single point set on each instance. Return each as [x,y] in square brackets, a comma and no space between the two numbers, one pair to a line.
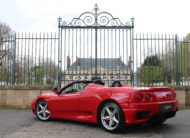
[68,62]
[78,61]
[129,62]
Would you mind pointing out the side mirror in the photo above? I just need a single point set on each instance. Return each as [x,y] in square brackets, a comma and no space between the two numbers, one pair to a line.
[56,90]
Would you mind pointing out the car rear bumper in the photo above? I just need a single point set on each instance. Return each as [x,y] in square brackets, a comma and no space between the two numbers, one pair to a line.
[143,112]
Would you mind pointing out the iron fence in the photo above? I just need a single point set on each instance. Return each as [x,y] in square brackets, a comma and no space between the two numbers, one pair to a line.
[32,59]
[29,59]
[161,59]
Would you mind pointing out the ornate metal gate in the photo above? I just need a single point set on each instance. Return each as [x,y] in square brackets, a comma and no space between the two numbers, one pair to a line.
[95,45]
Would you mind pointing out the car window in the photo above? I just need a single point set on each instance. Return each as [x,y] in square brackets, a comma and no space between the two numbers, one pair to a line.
[75,87]
[83,85]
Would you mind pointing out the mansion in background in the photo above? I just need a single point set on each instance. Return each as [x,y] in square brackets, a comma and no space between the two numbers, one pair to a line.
[108,69]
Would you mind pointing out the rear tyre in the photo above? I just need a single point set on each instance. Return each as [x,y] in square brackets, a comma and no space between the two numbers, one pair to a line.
[42,111]
[111,118]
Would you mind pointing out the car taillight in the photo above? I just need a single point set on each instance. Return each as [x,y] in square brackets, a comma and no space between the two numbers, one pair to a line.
[147,96]
[139,97]
[143,97]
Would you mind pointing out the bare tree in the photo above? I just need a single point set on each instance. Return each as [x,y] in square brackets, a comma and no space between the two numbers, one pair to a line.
[5,30]
[5,35]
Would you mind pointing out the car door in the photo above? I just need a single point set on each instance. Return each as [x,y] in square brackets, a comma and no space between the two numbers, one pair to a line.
[66,103]
[88,103]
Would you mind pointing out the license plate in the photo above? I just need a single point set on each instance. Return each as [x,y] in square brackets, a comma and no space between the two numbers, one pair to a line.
[166,107]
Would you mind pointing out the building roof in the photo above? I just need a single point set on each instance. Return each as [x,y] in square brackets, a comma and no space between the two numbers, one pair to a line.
[106,63]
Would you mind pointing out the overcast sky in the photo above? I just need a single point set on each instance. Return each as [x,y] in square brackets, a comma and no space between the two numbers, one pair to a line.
[151,16]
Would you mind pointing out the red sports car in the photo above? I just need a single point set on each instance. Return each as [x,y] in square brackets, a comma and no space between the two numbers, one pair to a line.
[113,107]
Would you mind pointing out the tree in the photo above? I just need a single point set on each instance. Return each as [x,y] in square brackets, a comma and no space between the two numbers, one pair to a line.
[151,71]
[37,74]
[7,54]
[5,30]
[169,61]
[5,33]
[152,61]
[44,73]
[152,74]
[184,55]
[3,74]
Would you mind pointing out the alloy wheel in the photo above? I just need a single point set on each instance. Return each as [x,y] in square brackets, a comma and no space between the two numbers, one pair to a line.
[110,117]
[42,111]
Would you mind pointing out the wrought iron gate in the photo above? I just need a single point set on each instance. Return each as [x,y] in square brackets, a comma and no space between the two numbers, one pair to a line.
[95,45]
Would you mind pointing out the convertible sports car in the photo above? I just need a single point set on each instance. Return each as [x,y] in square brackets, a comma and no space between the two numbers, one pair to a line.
[113,107]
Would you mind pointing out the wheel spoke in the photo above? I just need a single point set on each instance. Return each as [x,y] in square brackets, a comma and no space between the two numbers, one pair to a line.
[110,123]
[41,106]
[114,112]
[39,112]
[47,111]
[109,112]
[45,107]
[44,114]
[115,120]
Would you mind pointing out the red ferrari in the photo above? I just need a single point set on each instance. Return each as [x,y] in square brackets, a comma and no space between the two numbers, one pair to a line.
[113,107]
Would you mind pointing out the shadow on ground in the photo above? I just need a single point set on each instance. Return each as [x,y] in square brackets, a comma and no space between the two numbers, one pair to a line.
[130,129]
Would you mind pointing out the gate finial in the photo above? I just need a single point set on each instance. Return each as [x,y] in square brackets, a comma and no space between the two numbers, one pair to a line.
[96,9]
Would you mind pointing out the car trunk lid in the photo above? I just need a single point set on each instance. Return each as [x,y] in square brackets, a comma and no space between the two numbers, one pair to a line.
[162,94]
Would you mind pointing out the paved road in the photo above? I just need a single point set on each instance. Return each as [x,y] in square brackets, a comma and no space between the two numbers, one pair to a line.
[22,124]
[13,120]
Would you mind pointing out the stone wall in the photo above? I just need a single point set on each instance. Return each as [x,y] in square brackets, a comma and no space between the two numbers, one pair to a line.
[21,97]
[188,99]
[183,96]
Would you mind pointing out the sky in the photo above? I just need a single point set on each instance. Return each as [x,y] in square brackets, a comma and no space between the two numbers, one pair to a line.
[151,16]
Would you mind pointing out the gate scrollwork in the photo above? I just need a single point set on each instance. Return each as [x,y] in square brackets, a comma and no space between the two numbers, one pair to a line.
[96,19]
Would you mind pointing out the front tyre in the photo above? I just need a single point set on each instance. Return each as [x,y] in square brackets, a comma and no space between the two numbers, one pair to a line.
[111,117]
[42,111]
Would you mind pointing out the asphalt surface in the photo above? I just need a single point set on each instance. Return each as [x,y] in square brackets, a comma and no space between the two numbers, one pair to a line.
[23,124]
[13,120]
